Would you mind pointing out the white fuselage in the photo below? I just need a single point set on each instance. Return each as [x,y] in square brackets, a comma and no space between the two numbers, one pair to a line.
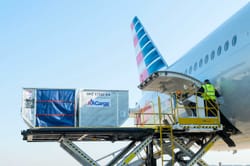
[224,58]
[229,69]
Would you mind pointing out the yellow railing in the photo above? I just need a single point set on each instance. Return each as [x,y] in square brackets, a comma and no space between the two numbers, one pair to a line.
[192,110]
[205,112]
[147,119]
[195,112]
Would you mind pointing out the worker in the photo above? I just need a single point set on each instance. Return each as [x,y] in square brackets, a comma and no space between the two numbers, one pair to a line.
[187,101]
[179,94]
[209,94]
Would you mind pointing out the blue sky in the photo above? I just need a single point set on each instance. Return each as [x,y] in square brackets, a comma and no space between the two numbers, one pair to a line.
[88,44]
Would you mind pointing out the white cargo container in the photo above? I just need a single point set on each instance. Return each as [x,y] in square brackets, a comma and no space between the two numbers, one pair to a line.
[102,108]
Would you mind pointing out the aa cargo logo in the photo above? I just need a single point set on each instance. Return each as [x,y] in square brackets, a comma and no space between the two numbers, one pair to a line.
[99,103]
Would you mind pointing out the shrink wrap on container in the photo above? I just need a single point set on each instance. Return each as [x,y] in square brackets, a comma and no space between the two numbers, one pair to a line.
[49,107]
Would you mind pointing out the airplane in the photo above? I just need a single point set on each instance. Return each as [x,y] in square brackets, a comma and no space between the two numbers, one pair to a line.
[223,57]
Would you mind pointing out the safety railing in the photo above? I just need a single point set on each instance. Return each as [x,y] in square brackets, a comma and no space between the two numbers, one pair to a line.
[184,109]
[194,110]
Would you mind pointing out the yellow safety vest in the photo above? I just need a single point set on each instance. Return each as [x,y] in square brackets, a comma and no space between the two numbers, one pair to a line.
[209,92]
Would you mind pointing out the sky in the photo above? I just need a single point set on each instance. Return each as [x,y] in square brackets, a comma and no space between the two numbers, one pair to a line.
[88,44]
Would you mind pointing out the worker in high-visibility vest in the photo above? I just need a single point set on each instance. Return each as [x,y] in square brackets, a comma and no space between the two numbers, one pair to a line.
[209,94]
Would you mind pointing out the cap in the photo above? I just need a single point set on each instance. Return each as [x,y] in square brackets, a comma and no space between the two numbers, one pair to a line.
[206,81]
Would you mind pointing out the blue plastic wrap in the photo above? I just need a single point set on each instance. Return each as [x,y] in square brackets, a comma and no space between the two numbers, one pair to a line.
[55,107]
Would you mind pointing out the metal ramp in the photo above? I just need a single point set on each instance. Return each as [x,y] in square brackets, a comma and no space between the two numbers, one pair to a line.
[190,124]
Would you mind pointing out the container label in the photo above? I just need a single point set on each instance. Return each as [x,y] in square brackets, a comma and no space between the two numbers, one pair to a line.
[28,106]
[99,103]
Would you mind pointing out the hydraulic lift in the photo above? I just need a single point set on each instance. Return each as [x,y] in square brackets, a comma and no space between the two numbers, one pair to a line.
[189,125]
[178,136]
[138,138]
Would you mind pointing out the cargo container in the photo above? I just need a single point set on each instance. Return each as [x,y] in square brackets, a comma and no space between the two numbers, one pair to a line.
[102,108]
[49,107]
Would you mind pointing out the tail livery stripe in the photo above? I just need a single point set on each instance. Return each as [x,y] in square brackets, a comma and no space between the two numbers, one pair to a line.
[139,58]
[151,56]
[158,64]
[146,51]
[132,26]
[143,75]
[138,26]
[141,33]
[135,41]
[143,41]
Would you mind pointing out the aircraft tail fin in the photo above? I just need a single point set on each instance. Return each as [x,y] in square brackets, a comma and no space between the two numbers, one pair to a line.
[148,58]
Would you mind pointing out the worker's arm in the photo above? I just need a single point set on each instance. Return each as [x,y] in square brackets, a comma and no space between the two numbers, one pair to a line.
[217,94]
[200,91]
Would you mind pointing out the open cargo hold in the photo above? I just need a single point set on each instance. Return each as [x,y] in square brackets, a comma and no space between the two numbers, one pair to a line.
[102,108]
[49,107]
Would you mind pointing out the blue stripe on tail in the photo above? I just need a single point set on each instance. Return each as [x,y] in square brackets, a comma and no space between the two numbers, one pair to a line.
[146,51]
